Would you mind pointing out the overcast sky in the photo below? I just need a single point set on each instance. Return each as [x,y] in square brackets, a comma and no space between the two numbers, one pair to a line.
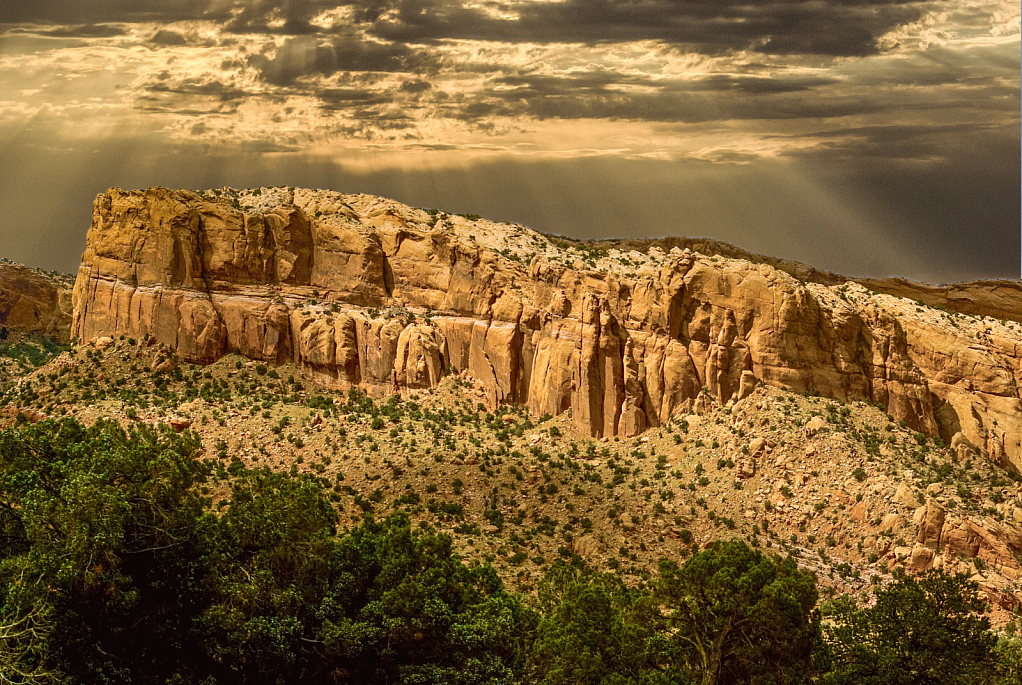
[868,137]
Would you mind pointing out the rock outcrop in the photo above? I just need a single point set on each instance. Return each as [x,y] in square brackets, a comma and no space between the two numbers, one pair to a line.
[363,291]
[998,299]
[966,544]
[35,302]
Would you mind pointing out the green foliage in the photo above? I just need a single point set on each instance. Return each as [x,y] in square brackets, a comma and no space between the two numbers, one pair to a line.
[1008,670]
[735,615]
[379,605]
[110,559]
[103,529]
[114,569]
[33,353]
[919,631]
[729,615]
[594,630]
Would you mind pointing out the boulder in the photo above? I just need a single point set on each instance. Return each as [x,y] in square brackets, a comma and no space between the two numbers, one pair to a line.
[920,559]
[179,423]
[585,546]
[746,468]
[905,496]
[931,524]
[747,384]
[858,512]
[892,522]
[814,425]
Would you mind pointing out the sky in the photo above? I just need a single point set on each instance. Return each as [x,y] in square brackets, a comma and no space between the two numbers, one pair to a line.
[866,137]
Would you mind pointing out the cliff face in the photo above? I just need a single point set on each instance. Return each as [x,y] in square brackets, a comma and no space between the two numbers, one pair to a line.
[35,302]
[363,291]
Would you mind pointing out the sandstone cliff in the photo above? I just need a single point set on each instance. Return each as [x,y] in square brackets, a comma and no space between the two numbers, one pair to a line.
[998,299]
[364,291]
[35,302]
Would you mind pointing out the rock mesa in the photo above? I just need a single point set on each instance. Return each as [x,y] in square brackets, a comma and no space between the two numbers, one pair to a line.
[363,291]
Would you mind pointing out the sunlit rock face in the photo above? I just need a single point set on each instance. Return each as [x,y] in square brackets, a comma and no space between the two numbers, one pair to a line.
[359,290]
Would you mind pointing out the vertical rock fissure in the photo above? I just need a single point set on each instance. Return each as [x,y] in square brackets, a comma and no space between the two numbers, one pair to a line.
[200,247]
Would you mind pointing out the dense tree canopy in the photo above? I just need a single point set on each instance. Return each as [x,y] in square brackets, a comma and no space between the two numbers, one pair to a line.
[735,615]
[111,556]
[728,615]
[595,630]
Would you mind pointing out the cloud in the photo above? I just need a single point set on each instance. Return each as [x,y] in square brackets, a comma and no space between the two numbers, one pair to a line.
[100,11]
[167,37]
[85,31]
[304,56]
[824,27]
[897,143]
[195,86]
[715,97]
[870,100]
[416,86]
[827,27]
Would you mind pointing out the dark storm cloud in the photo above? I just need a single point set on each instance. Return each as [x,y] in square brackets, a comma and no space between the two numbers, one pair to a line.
[416,86]
[783,142]
[101,11]
[827,27]
[255,16]
[824,27]
[902,142]
[195,86]
[84,31]
[361,105]
[599,95]
[605,80]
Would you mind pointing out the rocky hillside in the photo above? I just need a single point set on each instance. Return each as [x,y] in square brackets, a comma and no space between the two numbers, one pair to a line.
[362,291]
[34,302]
[852,493]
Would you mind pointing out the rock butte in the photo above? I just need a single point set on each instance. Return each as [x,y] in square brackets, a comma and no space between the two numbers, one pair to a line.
[364,291]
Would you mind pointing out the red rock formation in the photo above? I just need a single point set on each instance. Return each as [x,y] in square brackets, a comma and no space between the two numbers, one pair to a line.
[305,277]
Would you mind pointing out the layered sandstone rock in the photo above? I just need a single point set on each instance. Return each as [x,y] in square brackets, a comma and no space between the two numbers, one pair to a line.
[998,299]
[35,302]
[363,291]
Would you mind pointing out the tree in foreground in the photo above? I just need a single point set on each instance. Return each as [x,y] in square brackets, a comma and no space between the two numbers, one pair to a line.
[728,615]
[731,614]
[1008,654]
[101,552]
[926,631]
[594,630]
[380,604]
